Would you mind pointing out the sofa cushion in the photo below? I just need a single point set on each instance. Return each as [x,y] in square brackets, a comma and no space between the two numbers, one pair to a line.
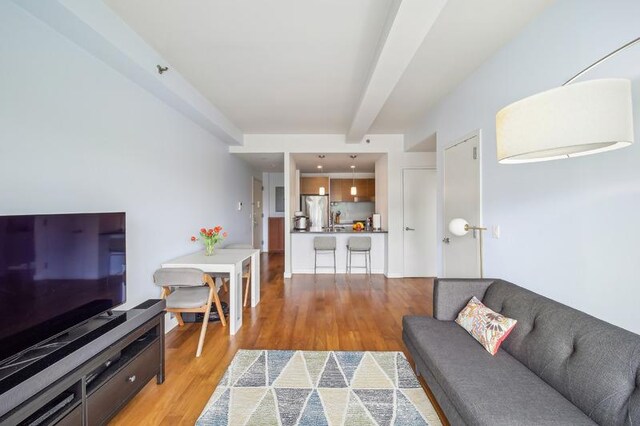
[486,326]
[594,364]
[486,389]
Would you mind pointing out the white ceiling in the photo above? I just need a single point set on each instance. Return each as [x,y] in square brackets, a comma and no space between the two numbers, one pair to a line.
[336,163]
[465,35]
[265,162]
[284,66]
[301,66]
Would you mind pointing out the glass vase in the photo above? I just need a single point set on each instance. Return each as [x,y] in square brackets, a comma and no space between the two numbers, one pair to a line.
[209,248]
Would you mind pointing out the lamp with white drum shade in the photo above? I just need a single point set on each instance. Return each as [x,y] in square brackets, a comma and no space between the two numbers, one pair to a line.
[573,120]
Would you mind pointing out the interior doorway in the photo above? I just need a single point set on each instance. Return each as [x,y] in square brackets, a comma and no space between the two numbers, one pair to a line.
[257,214]
[462,199]
[419,222]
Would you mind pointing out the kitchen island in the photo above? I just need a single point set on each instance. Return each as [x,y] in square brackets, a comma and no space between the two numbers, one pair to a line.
[302,253]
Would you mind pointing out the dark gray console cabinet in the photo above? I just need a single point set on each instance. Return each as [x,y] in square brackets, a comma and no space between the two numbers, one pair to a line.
[99,386]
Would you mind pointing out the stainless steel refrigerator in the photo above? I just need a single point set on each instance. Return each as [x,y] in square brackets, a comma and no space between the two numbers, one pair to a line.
[316,208]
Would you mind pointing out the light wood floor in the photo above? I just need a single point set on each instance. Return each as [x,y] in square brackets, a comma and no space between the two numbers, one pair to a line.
[309,312]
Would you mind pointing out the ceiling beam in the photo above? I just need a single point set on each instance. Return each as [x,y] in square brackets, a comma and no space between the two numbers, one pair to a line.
[408,24]
[94,27]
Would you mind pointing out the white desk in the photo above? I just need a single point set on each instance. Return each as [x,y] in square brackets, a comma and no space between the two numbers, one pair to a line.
[227,261]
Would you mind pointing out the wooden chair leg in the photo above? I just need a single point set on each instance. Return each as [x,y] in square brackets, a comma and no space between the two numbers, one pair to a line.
[246,290]
[203,330]
[216,299]
[179,318]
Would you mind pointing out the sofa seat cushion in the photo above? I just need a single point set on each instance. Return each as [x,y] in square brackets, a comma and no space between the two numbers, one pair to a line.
[486,389]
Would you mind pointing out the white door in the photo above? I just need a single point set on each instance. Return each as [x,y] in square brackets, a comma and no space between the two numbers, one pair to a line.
[420,235]
[256,214]
[462,199]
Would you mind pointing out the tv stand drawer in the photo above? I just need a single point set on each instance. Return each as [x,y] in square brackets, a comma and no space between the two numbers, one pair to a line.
[74,418]
[106,400]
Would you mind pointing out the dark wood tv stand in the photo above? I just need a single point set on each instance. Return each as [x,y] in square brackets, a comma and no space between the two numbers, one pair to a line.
[99,386]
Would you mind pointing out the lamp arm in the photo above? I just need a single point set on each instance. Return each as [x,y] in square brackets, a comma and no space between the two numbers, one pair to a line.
[468,227]
[601,60]
[474,228]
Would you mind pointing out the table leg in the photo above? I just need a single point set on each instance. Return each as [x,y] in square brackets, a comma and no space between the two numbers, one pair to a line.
[235,298]
[255,279]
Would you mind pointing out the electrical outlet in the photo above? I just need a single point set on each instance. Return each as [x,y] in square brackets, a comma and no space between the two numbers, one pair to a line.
[495,231]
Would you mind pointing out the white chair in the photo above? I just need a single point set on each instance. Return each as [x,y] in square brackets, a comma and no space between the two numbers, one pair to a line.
[359,245]
[189,290]
[324,245]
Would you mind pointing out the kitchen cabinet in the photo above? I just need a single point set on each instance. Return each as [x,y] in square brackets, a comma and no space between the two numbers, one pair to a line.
[341,190]
[335,190]
[276,234]
[311,185]
[371,189]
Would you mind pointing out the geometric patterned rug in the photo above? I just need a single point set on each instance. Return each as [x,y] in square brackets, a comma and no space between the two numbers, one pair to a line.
[288,388]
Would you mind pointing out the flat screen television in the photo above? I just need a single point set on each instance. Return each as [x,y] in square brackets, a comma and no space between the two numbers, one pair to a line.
[57,271]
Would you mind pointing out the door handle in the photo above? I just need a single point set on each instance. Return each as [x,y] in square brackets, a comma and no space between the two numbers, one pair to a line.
[446,240]
[406,228]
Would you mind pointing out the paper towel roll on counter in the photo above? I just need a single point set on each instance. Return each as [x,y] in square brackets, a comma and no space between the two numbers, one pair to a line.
[377,222]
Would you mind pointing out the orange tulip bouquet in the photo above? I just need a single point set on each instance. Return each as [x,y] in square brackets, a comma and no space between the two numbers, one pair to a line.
[210,238]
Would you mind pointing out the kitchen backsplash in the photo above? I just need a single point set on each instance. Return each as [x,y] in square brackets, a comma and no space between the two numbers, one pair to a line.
[353,211]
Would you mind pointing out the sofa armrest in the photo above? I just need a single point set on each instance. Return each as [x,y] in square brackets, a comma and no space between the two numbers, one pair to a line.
[451,295]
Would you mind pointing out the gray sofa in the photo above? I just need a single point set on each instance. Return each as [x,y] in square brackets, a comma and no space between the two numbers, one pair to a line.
[559,366]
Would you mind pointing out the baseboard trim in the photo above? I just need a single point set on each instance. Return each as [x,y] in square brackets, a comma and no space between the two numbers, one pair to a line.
[329,271]
[394,275]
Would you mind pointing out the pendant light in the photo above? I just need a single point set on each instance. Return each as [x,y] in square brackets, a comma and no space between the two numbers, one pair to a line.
[322,190]
[354,190]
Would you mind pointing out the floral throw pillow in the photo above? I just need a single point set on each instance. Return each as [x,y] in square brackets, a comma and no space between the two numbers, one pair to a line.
[487,327]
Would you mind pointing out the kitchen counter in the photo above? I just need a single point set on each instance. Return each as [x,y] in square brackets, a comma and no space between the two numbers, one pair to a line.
[344,231]
[302,252]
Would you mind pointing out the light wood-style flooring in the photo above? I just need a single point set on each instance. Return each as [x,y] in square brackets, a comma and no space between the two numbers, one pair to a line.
[308,312]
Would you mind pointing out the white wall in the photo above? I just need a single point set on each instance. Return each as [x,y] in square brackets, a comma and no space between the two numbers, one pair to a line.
[568,227]
[76,136]
[382,197]
[291,202]
[396,163]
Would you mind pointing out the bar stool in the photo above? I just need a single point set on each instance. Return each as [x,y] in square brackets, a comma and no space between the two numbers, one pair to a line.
[359,245]
[323,245]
